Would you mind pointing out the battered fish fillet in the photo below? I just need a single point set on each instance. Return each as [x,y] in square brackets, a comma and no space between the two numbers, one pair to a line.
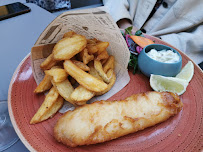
[106,120]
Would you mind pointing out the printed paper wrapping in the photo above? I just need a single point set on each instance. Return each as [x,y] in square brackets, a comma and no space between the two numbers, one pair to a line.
[92,23]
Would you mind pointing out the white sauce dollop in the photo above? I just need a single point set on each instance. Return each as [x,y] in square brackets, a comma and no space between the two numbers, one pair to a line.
[166,56]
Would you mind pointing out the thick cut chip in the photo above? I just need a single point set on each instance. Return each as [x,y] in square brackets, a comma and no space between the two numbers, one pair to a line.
[85,57]
[81,65]
[92,48]
[69,34]
[102,46]
[111,83]
[97,48]
[48,63]
[83,78]
[103,55]
[67,47]
[44,85]
[110,63]
[65,89]
[92,41]
[81,95]
[99,68]
[55,107]
[93,71]
[57,74]
[57,67]
[50,99]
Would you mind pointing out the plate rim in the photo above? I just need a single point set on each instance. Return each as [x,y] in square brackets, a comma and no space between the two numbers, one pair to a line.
[11,115]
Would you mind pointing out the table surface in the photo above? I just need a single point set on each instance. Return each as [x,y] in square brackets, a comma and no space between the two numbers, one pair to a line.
[18,35]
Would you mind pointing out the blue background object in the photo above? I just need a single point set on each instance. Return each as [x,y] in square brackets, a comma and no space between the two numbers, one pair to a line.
[150,66]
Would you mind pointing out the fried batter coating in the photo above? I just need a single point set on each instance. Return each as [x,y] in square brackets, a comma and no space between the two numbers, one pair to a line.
[106,120]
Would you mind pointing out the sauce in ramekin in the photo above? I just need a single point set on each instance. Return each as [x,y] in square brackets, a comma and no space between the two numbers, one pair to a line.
[166,56]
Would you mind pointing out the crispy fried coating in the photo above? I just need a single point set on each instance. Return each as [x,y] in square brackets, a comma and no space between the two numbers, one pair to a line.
[106,120]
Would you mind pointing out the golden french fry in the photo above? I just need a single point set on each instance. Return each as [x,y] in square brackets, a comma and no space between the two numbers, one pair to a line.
[110,63]
[69,34]
[48,63]
[92,41]
[92,48]
[83,78]
[93,71]
[81,65]
[103,55]
[85,57]
[102,46]
[55,107]
[57,67]
[111,74]
[57,74]
[97,48]
[67,47]
[49,101]
[44,85]
[65,89]
[81,95]
[99,68]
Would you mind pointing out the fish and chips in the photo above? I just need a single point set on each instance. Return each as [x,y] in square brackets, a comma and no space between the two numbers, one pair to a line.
[79,69]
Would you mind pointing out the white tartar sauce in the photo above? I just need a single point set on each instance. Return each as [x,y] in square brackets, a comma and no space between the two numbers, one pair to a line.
[166,56]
